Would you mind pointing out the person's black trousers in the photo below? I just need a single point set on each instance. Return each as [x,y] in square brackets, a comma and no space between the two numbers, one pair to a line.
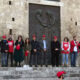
[44,59]
[33,59]
[55,59]
[11,59]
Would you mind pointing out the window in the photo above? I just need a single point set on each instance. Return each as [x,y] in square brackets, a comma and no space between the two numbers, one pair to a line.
[10,31]
[10,2]
[13,19]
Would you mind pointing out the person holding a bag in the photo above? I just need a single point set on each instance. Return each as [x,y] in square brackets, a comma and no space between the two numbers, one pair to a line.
[18,53]
[27,50]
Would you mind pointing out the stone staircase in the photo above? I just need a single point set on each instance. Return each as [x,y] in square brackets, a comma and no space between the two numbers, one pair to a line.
[40,73]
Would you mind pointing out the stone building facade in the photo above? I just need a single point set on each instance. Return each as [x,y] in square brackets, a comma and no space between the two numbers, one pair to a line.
[14,16]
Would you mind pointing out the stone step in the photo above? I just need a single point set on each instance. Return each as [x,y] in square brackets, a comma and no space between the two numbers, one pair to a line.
[40,73]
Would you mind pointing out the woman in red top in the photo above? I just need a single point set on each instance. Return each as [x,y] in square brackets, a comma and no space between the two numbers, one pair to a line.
[65,51]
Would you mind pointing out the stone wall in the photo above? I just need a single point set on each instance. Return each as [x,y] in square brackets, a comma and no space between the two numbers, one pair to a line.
[70,21]
[19,11]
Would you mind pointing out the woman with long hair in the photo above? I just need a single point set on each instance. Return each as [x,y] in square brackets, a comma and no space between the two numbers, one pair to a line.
[65,51]
[27,50]
[18,53]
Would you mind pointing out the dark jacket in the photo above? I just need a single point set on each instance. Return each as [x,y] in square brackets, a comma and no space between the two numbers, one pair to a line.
[34,45]
[21,43]
[55,45]
[4,46]
[27,47]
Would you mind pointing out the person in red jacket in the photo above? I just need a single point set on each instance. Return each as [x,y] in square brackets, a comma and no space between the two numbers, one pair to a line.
[74,51]
[11,50]
[79,47]
[60,75]
[65,51]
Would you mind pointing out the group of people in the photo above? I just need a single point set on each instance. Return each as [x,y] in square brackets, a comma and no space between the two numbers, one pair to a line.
[68,48]
[33,51]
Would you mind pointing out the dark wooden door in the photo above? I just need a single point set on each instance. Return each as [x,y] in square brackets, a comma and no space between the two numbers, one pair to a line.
[44,19]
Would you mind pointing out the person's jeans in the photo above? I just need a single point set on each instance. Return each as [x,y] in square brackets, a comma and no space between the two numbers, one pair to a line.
[4,59]
[65,58]
[73,58]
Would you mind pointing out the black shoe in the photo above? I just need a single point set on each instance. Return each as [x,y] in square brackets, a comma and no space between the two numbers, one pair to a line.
[46,65]
[2,65]
[30,65]
[11,65]
[57,66]
[15,65]
[5,65]
[35,65]
[53,66]
[41,65]
[19,66]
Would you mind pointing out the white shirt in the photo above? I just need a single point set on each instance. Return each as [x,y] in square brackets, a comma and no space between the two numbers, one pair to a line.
[44,44]
[10,43]
[75,47]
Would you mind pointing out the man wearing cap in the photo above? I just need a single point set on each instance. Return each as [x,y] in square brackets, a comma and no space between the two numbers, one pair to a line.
[55,50]
[60,75]
[4,51]
[34,51]
[44,48]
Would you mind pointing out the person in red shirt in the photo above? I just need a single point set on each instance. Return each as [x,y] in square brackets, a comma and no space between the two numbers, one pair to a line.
[11,50]
[74,51]
[65,51]
[60,75]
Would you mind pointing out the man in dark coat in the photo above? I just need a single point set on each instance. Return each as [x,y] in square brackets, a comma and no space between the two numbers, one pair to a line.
[34,51]
[44,47]
[4,51]
[55,50]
